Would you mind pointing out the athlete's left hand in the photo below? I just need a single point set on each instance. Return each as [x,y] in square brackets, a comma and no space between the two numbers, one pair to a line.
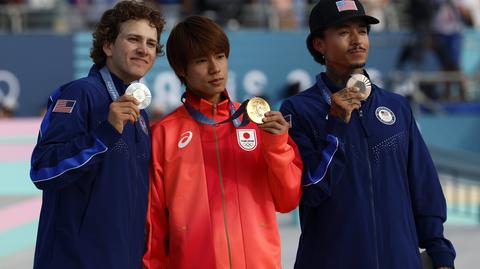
[274,123]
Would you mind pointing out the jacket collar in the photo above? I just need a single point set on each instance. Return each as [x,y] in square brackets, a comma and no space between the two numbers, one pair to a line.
[119,85]
[220,111]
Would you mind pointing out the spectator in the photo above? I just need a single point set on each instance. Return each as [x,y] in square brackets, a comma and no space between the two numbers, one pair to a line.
[378,8]
[447,29]
[437,26]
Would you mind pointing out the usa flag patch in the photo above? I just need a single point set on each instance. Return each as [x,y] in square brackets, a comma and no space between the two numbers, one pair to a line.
[346,5]
[64,106]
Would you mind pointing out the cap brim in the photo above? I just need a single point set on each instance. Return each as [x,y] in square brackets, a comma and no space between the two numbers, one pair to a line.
[366,18]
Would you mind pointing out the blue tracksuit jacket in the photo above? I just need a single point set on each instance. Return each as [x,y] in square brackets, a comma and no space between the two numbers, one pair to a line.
[371,194]
[94,181]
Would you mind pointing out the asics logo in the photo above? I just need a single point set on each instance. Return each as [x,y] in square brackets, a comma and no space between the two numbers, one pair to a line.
[185,139]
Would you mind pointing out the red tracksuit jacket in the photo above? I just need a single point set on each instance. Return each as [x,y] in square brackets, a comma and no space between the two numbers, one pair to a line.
[215,191]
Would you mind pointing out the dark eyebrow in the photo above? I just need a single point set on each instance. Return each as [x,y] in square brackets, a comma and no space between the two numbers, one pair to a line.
[139,36]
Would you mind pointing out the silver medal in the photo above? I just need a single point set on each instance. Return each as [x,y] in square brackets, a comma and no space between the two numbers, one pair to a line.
[141,93]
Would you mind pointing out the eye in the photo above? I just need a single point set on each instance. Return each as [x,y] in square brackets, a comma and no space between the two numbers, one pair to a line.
[151,44]
[221,55]
[133,39]
[200,60]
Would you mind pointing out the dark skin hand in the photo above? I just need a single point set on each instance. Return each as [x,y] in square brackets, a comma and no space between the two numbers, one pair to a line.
[344,102]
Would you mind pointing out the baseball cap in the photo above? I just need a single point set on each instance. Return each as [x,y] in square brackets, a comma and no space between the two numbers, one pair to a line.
[328,13]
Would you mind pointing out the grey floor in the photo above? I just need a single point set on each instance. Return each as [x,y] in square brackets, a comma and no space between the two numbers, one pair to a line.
[465,238]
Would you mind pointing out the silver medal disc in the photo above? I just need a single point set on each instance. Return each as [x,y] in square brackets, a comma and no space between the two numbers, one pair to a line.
[141,93]
[361,82]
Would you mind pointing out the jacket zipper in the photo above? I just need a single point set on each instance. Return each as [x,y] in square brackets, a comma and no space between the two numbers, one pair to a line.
[220,176]
[372,196]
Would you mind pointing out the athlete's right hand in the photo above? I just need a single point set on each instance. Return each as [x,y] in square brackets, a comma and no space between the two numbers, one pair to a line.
[122,110]
[344,102]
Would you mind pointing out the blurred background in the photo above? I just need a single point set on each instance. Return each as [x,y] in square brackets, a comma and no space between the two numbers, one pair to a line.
[426,50]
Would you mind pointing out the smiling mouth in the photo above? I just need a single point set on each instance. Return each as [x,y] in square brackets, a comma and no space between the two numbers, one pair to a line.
[140,60]
[214,81]
[357,50]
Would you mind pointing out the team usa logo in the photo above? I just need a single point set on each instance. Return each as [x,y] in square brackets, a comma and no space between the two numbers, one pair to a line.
[247,139]
[185,139]
[385,115]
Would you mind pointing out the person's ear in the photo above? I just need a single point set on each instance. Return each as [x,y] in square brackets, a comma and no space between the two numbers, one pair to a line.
[319,45]
[108,49]
[181,74]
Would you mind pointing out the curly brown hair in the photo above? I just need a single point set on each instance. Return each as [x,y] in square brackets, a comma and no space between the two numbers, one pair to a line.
[108,28]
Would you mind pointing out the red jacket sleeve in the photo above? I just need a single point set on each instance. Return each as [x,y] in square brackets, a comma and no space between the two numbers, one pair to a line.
[284,170]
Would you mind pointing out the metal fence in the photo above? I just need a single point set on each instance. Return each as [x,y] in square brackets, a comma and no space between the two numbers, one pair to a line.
[460,181]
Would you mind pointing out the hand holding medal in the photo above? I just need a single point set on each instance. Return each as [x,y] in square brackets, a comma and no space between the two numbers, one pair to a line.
[344,101]
[141,93]
[259,112]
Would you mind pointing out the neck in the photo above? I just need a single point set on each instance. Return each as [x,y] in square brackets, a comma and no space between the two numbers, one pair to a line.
[116,73]
[214,99]
[340,77]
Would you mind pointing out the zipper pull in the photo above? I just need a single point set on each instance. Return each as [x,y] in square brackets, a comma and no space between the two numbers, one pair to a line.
[360,115]
[214,111]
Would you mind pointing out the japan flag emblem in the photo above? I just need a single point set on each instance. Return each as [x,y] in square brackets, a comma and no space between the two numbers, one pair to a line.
[247,139]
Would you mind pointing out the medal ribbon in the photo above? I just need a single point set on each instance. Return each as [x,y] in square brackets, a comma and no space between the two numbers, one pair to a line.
[107,78]
[112,91]
[234,114]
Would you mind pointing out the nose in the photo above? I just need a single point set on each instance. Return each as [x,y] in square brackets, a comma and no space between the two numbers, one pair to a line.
[355,38]
[142,48]
[213,65]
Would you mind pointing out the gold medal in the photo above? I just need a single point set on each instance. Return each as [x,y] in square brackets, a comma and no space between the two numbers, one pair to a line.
[362,83]
[256,109]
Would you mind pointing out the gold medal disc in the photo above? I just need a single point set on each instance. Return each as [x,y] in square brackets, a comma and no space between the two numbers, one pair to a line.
[256,109]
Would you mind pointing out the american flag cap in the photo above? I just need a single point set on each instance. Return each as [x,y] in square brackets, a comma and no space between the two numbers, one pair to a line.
[328,13]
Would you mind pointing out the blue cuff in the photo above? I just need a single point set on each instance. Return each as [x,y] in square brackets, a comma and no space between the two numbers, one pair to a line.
[442,259]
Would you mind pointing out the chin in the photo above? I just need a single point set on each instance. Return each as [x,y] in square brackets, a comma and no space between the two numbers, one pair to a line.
[137,75]
[357,65]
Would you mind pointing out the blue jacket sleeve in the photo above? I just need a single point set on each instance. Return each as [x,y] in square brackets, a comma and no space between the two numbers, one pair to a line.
[68,146]
[322,151]
[428,201]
